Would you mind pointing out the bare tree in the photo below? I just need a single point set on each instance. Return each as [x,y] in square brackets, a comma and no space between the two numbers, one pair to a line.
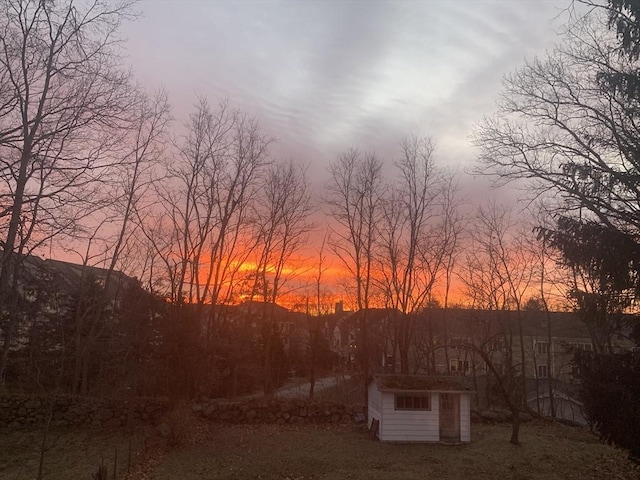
[453,226]
[499,274]
[282,226]
[63,101]
[315,322]
[354,194]
[142,147]
[496,350]
[412,241]
[201,228]
[551,284]
[558,127]
[567,126]
[201,225]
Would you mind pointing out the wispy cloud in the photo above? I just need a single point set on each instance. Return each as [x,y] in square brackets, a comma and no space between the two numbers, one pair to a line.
[322,76]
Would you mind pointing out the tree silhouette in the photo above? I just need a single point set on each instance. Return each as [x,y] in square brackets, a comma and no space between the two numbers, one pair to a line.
[610,391]
[568,125]
[63,103]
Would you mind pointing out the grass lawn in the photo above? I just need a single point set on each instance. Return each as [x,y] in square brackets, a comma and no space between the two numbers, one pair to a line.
[70,453]
[315,452]
[307,452]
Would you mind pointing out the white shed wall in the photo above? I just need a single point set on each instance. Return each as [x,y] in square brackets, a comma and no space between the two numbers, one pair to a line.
[465,417]
[409,425]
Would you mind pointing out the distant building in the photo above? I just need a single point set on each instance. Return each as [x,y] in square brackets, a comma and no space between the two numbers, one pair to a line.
[448,342]
[49,288]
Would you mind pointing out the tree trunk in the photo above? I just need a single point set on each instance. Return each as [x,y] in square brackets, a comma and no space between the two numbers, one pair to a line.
[552,401]
[365,356]
[4,359]
[404,359]
[312,382]
[515,426]
[84,386]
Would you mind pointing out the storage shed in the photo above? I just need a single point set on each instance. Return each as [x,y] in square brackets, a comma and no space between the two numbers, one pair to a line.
[418,408]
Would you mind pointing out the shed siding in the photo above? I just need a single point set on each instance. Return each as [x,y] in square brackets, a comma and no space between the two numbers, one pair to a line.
[465,417]
[409,425]
[375,400]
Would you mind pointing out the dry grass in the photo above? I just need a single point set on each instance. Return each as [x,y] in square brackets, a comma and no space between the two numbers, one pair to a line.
[311,452]
[70,454]
[278,452]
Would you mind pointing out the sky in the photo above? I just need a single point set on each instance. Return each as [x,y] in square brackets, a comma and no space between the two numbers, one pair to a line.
[324,76]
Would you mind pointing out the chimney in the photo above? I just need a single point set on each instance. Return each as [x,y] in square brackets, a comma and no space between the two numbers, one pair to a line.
[340,306]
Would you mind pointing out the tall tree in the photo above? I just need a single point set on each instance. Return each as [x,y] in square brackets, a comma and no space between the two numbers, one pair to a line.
[201,228]
[567,124]
[64,98]
[282,221]
[411,248]
[500,272]
[141,150]
[354,194]
[317,308]
[453,227]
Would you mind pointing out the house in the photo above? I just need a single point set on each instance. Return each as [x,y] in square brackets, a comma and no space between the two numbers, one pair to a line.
[419,408]
[459,342]
[347,336]
[549,340]
[49,290]
[65,315]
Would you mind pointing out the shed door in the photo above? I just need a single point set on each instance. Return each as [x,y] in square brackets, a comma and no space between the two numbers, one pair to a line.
[449,417]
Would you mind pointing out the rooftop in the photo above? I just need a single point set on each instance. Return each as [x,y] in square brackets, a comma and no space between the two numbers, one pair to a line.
[419,383]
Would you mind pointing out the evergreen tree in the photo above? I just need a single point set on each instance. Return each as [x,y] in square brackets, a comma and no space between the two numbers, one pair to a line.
[610,391]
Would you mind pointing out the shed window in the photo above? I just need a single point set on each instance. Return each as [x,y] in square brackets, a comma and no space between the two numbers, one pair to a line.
[413,402]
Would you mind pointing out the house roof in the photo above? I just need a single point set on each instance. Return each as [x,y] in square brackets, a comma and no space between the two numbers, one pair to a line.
[460,322]
[472,322]
[373,315]
[69,278]
[73,275]
[257,308]
[419,383]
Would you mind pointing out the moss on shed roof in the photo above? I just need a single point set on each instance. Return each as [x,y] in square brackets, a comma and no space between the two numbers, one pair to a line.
[418,382]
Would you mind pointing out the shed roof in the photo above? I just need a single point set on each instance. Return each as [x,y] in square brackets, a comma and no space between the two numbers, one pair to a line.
[417,383]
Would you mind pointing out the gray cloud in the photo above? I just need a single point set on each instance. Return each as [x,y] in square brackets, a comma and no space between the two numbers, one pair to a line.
[325,75]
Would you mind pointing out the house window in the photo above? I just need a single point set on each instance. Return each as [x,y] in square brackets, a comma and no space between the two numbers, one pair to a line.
[542,347]
[579,346]
[413,402]
[458,366]
[543,371]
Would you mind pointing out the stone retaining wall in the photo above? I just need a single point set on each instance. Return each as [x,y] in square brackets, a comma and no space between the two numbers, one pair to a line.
[20,410]
[278,410]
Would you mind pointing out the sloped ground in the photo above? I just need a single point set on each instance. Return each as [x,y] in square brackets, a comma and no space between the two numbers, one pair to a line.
[306,452]
[200,450]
